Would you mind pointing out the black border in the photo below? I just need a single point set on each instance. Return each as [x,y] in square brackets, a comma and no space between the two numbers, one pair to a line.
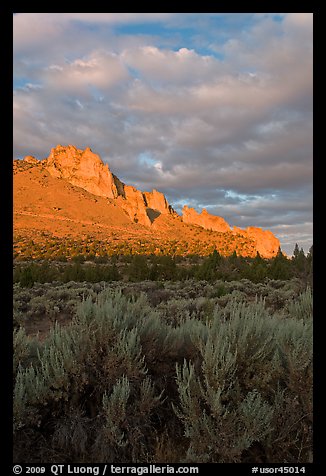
[6,237]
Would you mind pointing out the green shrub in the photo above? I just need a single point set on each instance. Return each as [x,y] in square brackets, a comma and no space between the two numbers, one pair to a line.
[190,377]
[20,348]
[218,429]
[253,367]
[26,277]
[80,364]
[301,307]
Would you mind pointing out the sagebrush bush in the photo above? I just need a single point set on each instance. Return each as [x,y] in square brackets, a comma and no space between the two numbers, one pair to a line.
[132,378]
[20,348]
[301,306]
[249,360]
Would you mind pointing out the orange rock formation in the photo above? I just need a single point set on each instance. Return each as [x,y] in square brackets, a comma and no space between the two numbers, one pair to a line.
[82,168]
[85,169]
[204,219]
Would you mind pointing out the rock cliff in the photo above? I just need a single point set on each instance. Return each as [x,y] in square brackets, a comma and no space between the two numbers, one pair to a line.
[204,219]
[82,168]
[157,201]
[267,244]
[265,241]
[134,205]
[85,169]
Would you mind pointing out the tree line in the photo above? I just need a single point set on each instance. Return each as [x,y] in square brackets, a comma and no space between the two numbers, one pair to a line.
[168,268]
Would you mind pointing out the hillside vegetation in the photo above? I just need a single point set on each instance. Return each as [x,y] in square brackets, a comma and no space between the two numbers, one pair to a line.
[86,266]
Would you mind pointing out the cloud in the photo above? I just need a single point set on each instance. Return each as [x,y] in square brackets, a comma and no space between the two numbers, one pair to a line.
[99,70]
[115,18]
[180,67]
[294,233]
[36,36]
[228,128]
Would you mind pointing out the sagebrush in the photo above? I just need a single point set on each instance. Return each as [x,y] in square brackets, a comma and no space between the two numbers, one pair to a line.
[135,378]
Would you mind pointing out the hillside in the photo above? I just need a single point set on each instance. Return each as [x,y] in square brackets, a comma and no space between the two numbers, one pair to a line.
[72,200]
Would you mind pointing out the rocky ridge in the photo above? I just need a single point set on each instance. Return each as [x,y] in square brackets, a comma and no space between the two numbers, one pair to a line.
[204,219]
[85,169]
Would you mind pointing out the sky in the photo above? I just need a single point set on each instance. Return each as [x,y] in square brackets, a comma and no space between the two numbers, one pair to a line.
[212,109]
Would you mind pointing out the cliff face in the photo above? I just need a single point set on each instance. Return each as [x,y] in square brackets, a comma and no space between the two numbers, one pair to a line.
[267,244]
[134,205]
[82,168]
[204,219]
[85,169]
[144,207]
[157,201]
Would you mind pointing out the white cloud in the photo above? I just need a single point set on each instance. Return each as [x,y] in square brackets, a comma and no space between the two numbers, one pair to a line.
[101,70]
[182,66]
[115,18]
[52,32]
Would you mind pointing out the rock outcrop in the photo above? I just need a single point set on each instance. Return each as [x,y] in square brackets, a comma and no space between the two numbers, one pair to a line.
[134,205]
[82,168]
[265,241]
[157,201]
[267,244]
[30,159]
[144,207]
[204,219]
[85,169]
